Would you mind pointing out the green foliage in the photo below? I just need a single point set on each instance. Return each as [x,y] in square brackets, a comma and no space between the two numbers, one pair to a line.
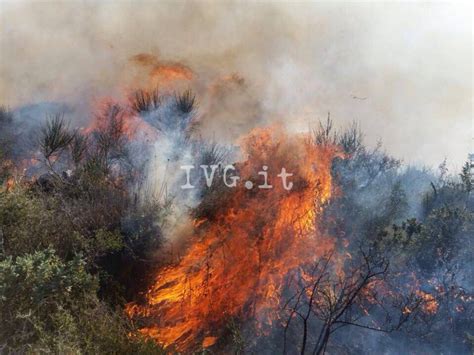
[29,225]
[50,306]
[30,222]
[436,239]
[37,291]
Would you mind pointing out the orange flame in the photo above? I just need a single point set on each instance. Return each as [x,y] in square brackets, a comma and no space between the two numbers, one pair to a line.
[163,73]
[237,265]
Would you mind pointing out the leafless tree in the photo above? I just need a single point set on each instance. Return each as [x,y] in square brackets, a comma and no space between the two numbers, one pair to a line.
[329,297]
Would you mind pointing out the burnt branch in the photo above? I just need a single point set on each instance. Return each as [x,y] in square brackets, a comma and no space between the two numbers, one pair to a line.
[329,298]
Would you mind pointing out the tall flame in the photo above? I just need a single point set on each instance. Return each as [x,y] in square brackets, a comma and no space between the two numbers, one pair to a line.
[236,265]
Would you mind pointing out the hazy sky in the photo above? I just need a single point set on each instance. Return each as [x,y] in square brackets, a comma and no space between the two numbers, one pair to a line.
[408,64]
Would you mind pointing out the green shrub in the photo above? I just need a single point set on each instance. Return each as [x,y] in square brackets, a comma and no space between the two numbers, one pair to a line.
[40,297]
[30,222]
[50,306]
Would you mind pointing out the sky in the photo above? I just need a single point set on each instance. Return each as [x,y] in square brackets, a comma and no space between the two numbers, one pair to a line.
[403,71]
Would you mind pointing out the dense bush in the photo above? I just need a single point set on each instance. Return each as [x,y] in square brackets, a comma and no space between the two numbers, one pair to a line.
[49,305]
[73,241]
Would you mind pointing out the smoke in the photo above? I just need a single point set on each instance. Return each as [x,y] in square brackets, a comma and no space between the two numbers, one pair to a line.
[402,70]
[163,175]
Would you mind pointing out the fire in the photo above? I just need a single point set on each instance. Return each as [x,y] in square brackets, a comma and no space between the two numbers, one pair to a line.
[162,73]
[169,73]
[237,264]
[129,124]
[430,305]
[10,184]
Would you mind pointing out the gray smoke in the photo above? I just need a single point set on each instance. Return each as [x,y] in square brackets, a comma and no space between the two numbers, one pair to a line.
[403,70]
